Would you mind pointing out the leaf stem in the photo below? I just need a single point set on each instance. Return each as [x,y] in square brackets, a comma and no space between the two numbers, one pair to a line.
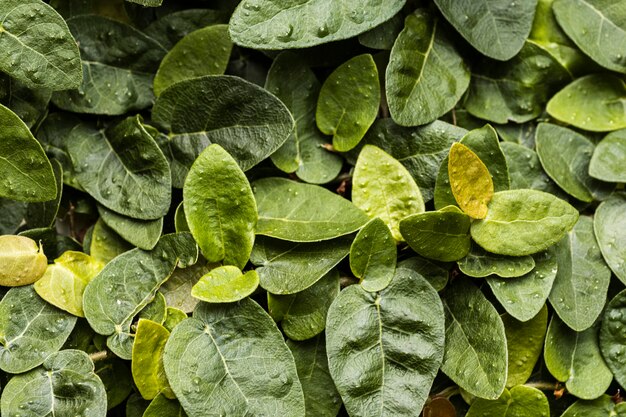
[99,356]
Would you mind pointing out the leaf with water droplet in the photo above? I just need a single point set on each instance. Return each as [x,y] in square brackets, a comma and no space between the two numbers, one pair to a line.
[225,284]
[373,256]
[173,317]
[375,341]
[147,360]
[65,384]
[177,289]
[143,234]
[221,344]
[524,342]
[612,338]
[22,259]
[426,75]
[520,401]
[480,264]
[525,169]
[382,187]
[596,408]
[607,161]
[610,229]
[470,181]
[575,358]
[105,243]
[303,315]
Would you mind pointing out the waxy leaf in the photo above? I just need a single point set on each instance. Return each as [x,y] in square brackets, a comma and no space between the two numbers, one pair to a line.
[439,235]
[300,212]
[172,27]
[65,385]
[523,222]
[384,35]
[579,291]
[610,229]
[23,261]
[147,360]
[44,214]
[520,401]
[436,274]
[383,188]
[607,161]
[373,256]
[225,284]
[173,317]
[30,330]
[202,52]
[591,103]
[161,406]
[420,149]
[64,282]
[303,315]
[426,76]
[24,168]
[348,102]
[40,52]
[597,27]
[128,283]
[177,289]
[119,63]
[263,24]
[575,358]
[496,28]
[321,398]
[105,244]
[220,208]
[122,168]
[116,377]
[565,156]
[475,354]
[295,84]
[251,115]
[470,181]
[596,408]
[156,310]
[525,169]
[288,268]
[524,341]
[30,104]
[480,264]
[384,349]
[208,363]
[141,233]
[523,297]
[612,337]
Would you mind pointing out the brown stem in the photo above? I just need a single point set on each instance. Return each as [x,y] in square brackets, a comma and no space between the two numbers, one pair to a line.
[99,356]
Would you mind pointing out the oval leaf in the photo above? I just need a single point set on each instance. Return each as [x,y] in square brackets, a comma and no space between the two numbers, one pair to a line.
[470,181]
[141,233]
[373,256]
[610,229]
[147,360]
[607,160]
[524,341]
[520,401]
[23,261]
[480,264]
[225,284]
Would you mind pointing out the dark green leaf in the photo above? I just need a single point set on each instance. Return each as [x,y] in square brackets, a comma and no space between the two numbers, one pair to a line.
[373,256]
[612,337]
[141,233]
[480,264]
[524,342]
[610,230]
[607,160]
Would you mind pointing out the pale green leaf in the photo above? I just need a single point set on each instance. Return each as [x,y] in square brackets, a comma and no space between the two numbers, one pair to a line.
[147,360]
[23,261]
[607,161]
[225,284]
[373,256]
[520,401]
[106,244]
[524,342]
[470,181]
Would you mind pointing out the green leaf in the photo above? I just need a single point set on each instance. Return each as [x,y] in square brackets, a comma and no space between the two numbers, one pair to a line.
[496,28]
[520,401]
[225,284]
[435,274]
[593,102]
[470,181]
[255,117]
[609,225]
[300,212]
[612,337]
[373,256]
[384,349]
[147,360]
[156,310]
[485,144]
[295,84]
[574,358]
[523,297]
[106,244]
[596,408]
[438,235]
[476,354]
[607,160]
[263,24]
[419,149]
[480,264]
[64,385]
[220,208]
[22,259]
[30,104]
[163,407]
[13,215]
[426,76]
[117,380]
[30,330]
[37,46]
[24,168]
[180,220]
[64,282]
[524,342]
[117,78]
[565,156]
[348,102]
[128,283]
[147,3]
[523,222]
[288,268]
[122,168]
[189,58]
[136,405]
[321,398]
[384,35]
[208,363]
[525,169]
[382,187]
[596,27]
[173,317]
[303,315]
[172,27]
[516,90]
[177,289]
[44,214]
[582,281]
[141,233]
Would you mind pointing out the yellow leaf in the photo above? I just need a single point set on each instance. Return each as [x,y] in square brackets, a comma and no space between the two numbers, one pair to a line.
[470,181]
